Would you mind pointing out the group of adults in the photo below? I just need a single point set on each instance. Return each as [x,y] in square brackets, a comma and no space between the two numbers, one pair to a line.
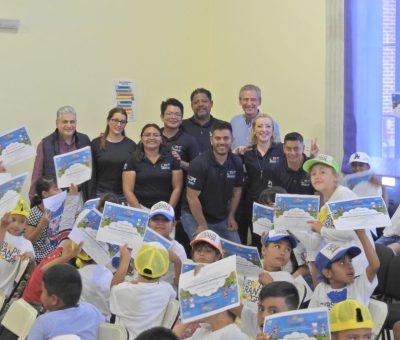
[203,166]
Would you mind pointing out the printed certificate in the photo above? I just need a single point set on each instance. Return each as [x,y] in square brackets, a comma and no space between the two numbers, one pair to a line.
[359,213]
[15,147]
[122,225]
[152,236]
[73,167]
[263,218]
[212,290]
[10,192]
[293,211]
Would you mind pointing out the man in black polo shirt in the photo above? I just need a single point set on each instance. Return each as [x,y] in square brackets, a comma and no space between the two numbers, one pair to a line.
[181,145]
[214,186]
[200,124]
[289,173]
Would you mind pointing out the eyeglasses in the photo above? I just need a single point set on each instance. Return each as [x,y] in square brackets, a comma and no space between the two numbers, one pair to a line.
[173,114]
[148,135]
[116,121]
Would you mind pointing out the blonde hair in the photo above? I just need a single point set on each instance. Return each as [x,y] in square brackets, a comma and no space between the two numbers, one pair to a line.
[253,138]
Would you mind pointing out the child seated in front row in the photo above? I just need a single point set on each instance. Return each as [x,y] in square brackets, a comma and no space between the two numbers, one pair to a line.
[62,288]
[139,305]
[350,319]
[162,221]
[276,248]
[13,246]
[275,297]
[334,263]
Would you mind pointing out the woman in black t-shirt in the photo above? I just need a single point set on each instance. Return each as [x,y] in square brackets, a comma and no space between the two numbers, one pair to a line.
[150,175]
[110,152]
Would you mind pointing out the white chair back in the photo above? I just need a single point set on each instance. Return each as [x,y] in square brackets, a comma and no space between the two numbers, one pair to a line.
[379,312]
[108,331]
[19,318]
[170,314]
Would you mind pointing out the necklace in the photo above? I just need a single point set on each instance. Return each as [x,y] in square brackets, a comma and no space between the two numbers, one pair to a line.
[260,165]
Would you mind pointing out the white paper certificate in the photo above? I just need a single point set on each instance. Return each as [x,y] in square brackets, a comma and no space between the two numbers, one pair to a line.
[15,147]
[10,192]
[263,218]
[73,167]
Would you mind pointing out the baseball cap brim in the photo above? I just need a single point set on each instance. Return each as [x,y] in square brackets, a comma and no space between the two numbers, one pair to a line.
[323,262]
[290,238]
[311,162]
[162,213]
[211,243]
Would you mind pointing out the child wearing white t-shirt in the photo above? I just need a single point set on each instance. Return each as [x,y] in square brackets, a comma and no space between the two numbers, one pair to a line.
[334,263]
[13,246]
[139,305]
[162,221]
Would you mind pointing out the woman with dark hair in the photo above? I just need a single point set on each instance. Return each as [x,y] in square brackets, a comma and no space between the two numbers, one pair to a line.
[151,175]
[110,152]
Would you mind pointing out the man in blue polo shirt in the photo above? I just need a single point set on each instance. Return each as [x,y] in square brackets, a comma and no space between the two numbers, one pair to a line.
[214,186]
[200,124]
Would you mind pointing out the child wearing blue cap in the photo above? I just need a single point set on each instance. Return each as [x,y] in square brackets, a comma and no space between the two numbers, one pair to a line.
[334,264]
[276,248]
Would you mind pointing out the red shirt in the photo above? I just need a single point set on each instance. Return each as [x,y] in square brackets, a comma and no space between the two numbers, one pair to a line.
[33,288]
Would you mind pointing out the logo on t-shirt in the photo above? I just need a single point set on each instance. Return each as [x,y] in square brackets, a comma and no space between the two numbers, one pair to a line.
[191,180]
[165,166]
[231,174]
[274,160]
[176,148]
[9,253]
[305,182]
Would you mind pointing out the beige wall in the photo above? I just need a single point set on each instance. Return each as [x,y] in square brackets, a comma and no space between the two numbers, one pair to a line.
[69,51]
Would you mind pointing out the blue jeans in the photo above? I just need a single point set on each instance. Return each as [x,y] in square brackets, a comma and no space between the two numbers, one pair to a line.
[190,227]
[386,240]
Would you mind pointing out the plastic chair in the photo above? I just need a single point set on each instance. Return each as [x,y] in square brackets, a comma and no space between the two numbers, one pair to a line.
[301,289]
[108,331]
[19,318]
[379,312]
[170,314]
[66,337]
[385,255]
[2,299]
[23,267]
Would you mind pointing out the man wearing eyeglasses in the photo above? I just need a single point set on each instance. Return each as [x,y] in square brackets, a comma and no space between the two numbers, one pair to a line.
[64,139]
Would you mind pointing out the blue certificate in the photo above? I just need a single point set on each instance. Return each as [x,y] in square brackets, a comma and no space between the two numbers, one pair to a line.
[10,192]
[359,213]
[123,225]
[293,211]
[73,167]
[152,236]
[15,147]
[309,323]
[263,218]
[212,290]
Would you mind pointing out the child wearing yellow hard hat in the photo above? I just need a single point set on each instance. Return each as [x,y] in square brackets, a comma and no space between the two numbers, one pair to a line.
[13,245]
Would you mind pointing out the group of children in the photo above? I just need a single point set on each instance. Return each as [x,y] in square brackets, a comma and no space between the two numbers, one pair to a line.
[77,294]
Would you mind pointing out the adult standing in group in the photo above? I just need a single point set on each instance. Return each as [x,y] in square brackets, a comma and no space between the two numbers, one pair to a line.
[110,152]
[151,175]
[64,139]
[289,173]
[214,185]
[200,124]
[258,159]
[250,101]
[181,145]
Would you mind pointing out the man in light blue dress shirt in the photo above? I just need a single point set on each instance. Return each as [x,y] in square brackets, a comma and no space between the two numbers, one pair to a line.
[250,100]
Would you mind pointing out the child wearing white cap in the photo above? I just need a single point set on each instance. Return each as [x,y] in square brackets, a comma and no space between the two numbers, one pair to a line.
[334,264]
[162,221]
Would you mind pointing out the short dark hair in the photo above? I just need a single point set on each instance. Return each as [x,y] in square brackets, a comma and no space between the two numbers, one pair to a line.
[221,125]
[63,281]
[202,244]
[294,137]
[203,91]
[159,333]
[172,102]
[268,195]
[107,197]
[283,289]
